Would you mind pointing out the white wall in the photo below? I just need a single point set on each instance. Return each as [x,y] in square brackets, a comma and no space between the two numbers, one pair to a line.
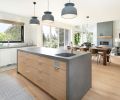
[93,28]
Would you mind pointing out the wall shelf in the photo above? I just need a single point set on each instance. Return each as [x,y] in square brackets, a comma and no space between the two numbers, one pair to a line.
[104,37]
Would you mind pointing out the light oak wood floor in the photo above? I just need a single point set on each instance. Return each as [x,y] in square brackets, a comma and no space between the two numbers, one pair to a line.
[105,83]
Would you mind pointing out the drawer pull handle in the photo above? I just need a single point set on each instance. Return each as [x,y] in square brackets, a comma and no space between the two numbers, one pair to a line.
[56,64]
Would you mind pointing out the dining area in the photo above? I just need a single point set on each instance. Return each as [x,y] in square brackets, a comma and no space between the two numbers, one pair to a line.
[100,54]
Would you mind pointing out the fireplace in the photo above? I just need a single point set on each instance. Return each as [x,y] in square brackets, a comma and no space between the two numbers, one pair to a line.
[104,43]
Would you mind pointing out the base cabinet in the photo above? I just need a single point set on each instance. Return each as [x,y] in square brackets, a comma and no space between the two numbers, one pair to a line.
[49,74]
[62,78]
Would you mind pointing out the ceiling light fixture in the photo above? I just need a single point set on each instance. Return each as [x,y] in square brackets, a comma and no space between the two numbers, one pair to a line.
[69,11]
[34,20]
[48,17]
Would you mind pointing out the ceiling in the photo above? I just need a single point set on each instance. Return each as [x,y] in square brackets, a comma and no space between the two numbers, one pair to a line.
[98,10]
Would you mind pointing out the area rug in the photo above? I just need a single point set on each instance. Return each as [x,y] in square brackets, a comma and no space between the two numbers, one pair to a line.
[6,68]
[10,89]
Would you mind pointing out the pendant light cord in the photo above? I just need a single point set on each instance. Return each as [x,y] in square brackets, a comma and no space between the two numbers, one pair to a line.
[48,5]
[34,7]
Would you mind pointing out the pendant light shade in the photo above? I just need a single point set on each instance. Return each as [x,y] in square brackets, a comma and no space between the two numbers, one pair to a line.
[34,20]
[69,11]
[48,17]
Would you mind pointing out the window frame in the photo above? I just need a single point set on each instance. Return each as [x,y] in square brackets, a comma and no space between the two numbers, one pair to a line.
[22,30]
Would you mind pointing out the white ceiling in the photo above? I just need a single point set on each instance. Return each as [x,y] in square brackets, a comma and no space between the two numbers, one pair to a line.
[98,10]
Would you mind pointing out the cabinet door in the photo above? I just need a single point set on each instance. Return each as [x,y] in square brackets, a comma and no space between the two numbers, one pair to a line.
[57,80]
[53,77]
[34,68]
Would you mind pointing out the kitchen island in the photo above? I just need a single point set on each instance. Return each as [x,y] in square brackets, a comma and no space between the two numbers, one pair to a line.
[62,77]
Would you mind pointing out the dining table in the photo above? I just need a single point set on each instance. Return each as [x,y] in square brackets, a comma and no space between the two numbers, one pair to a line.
[104,51]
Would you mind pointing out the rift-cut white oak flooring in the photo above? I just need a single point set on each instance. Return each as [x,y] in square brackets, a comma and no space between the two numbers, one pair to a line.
[105,82]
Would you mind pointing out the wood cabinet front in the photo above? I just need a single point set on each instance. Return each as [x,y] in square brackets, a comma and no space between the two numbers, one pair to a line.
[49,74]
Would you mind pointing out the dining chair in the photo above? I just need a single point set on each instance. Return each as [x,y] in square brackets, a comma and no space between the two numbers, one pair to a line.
[68,47]
[108,55]
[94,53]
[84,49]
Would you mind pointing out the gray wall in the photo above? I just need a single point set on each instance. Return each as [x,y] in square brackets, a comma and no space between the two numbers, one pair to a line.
[105,29]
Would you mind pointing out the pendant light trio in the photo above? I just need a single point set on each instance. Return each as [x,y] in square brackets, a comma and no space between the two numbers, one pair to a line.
[68,12]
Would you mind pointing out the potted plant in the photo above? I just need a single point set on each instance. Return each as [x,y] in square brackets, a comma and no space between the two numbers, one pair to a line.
[76,38]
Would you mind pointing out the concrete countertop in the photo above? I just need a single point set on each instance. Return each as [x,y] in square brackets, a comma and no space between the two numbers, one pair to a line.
[50,52]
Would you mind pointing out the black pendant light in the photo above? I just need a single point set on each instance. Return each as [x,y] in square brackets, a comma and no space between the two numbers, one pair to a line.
[48,17]
[69,11]
[34,20]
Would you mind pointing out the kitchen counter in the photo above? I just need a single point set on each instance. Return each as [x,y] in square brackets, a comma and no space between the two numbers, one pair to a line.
[51,52]
[64,78]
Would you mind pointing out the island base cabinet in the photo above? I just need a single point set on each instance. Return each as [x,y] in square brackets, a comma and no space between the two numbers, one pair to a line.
[42,72]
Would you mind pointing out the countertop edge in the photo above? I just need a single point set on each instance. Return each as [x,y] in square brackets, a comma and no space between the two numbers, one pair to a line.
[49,56]
[55,56]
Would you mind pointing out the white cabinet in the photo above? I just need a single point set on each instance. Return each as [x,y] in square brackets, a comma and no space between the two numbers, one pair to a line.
[8,56]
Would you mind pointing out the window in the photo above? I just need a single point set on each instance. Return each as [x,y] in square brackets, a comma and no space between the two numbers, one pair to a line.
[61,37]
[54,37]
[11,31]
[87,37]
[50,36]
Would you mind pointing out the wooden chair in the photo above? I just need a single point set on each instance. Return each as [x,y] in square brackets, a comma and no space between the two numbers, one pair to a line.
[68,47]
[84,49]
[94,53]
[107,55]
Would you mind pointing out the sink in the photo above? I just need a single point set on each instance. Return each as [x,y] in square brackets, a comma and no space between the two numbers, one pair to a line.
[65,54]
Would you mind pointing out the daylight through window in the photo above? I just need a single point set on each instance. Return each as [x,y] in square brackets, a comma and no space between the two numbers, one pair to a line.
[11,32]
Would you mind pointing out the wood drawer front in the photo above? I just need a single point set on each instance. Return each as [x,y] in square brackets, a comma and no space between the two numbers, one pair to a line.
[39,77]
[57,84]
